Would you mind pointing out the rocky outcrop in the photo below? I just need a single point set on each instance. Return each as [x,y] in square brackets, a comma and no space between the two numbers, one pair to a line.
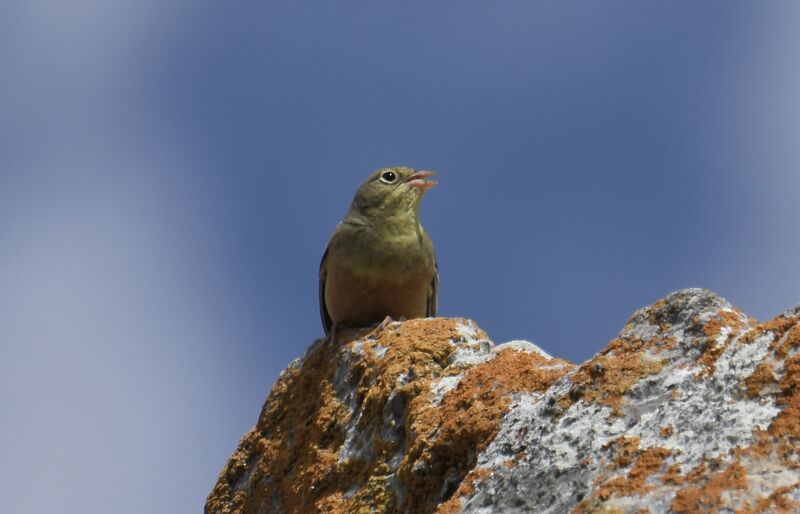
[694,407]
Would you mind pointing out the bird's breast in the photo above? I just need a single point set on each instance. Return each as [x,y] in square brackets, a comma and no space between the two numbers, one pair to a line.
[394,258]
[368,278]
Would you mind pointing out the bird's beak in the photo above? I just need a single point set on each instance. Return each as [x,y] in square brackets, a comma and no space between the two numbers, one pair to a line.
[417,180]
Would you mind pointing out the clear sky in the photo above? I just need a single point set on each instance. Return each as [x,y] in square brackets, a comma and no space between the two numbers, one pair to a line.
[170,174]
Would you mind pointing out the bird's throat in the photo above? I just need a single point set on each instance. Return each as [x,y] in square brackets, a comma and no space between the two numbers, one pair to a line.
[394,246]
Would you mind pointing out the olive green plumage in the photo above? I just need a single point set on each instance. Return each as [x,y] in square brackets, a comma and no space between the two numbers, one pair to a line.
[380,261]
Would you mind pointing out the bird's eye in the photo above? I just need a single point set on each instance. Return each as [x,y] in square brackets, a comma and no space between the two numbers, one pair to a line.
[388,177]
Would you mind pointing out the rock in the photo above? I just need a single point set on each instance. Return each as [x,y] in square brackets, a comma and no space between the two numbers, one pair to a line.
[694,407]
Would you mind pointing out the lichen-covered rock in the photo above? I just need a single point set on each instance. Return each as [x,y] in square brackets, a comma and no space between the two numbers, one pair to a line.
[693,408]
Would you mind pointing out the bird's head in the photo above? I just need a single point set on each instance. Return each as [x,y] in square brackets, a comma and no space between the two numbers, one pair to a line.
[391,192]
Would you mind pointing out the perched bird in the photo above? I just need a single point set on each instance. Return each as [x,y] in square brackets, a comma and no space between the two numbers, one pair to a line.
[379,261]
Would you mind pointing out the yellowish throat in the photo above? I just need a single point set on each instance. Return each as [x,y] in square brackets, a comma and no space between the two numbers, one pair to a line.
[380,261]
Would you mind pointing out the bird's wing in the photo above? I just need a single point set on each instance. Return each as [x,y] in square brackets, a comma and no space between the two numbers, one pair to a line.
[433,295]
[327,323]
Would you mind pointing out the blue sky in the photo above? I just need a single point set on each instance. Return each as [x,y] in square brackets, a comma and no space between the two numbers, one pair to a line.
[170,175]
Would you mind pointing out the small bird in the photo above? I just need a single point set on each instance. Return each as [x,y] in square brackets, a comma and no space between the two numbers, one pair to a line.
[379,261]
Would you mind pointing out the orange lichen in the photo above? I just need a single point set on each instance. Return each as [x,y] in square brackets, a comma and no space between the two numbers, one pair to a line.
[787,341]
[723,319]
[467,487]
[652,314]
[779,327]
[706,497]
[782,436]
[762,376]
[608,376]
[785,428]
[293,453]
[290,462]
[659,345]
[645,463]
[648,463]
[626,449]
[302,397]
[779,440]
[447,439]
[777,502]
[713,348]
[672,475]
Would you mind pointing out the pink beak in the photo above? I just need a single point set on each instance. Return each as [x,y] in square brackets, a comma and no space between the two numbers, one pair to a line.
[417,180]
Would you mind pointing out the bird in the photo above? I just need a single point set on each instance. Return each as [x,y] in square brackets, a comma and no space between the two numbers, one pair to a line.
[380,264]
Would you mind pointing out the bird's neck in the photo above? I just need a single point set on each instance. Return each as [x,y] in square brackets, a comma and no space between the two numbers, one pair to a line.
[378,244]
[399,223]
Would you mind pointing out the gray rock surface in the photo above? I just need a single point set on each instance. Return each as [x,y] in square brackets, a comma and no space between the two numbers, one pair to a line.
[694,407]
[688,412]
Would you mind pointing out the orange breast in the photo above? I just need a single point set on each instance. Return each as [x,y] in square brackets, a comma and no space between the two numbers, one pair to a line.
[359,300]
